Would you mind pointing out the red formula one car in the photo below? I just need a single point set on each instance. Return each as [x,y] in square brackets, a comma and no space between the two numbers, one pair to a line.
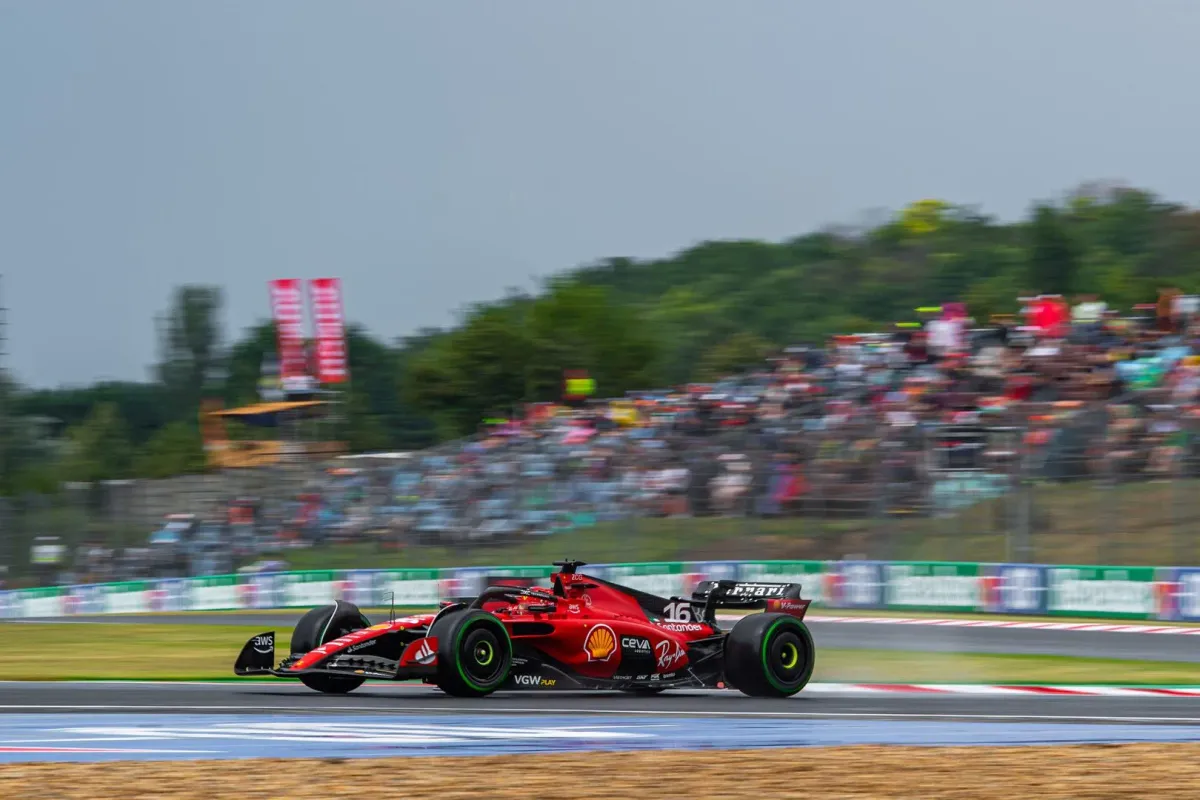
[580,633]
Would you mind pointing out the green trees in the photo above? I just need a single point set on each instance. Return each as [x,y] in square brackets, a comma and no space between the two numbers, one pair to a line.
[704,312]
[190,346]
[1052,259]
[515,352]
[739,352]
[98,448]
[175,449]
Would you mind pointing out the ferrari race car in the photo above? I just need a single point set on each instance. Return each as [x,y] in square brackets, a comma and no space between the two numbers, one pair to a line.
[580,633]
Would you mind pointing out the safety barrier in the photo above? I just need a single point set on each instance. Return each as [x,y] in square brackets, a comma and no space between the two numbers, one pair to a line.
[1147,593]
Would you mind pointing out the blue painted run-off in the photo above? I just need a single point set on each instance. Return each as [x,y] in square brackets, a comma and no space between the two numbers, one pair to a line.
[109,737]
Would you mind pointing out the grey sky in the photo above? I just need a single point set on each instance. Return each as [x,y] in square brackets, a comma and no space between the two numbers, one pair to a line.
[433,153]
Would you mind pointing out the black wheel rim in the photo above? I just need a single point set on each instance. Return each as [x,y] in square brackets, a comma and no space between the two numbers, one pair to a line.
[787,657]
[482,656]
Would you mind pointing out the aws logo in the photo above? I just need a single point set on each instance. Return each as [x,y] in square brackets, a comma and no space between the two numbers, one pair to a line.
[600,643]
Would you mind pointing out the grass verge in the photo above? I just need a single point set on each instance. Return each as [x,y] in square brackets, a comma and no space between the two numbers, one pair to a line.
[207,652]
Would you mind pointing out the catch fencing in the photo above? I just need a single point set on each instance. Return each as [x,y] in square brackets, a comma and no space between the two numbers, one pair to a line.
[1047,483]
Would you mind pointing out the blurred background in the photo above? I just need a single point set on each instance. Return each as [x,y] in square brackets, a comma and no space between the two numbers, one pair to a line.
[813,343]
[934,413]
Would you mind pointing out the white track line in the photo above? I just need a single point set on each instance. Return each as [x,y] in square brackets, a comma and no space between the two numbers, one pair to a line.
[620,712]
[818,688]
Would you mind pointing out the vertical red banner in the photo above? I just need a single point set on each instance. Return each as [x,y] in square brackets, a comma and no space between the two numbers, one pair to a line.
[332,363]
[287,309]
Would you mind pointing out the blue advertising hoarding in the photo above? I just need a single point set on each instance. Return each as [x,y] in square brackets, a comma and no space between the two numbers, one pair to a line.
[360,587]
[86,599]
[1015,589]
[855,584]
[1186,585]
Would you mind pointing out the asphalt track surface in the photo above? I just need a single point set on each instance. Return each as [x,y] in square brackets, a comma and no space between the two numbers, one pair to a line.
[912,638]
[398,700]
[812,718]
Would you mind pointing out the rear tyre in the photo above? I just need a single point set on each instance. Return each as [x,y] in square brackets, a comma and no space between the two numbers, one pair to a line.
[474,653]
[769,655]
[321,626]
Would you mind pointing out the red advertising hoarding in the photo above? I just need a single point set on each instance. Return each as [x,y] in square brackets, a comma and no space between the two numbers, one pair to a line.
[332,364]
[287,309]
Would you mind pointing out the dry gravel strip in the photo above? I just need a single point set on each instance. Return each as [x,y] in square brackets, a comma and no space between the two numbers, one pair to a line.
[1077,772]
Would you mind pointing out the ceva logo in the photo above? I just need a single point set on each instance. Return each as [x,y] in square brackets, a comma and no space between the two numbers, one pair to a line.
[600,643]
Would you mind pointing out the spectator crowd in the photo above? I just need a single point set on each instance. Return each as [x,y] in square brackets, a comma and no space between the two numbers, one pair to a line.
[925,418]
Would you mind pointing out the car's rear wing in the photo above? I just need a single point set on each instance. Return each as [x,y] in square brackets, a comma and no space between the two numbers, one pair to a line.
[708,596]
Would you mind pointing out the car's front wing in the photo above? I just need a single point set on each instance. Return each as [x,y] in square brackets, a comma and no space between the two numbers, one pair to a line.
[258,658]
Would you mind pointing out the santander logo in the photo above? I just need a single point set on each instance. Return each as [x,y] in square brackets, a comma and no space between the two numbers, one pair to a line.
[330,648]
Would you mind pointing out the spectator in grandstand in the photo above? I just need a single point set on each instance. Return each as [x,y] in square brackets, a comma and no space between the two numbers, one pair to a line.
[863,423]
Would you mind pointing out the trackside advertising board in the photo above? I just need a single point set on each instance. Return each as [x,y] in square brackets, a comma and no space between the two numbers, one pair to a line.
[1183,588]
[1146,593]
[1111,592]
[665,578]
[946,587]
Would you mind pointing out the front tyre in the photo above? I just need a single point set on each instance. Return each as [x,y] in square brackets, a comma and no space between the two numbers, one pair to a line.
[321,626]
[769,655]
[474,653]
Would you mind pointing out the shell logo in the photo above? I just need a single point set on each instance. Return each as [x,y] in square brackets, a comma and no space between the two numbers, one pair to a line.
[600,643]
